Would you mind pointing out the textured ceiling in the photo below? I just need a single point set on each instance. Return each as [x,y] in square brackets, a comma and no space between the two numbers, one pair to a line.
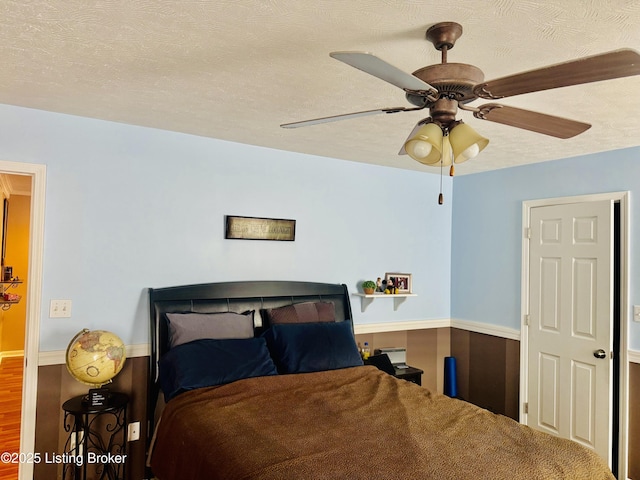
[237,69]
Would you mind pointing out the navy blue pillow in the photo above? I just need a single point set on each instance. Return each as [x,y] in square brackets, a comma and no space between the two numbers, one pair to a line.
[312,347]
[208,362]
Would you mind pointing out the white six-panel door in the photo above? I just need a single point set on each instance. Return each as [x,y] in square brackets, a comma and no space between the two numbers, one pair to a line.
[570,320]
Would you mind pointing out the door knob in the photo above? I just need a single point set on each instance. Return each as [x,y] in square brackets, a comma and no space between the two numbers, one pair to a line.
[600,353]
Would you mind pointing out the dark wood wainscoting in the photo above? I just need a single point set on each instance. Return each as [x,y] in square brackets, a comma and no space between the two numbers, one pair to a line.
[634,421]
[488,367]
[55,386]
[488,371]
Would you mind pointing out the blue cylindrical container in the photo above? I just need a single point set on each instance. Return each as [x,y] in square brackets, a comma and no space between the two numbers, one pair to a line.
[450,377]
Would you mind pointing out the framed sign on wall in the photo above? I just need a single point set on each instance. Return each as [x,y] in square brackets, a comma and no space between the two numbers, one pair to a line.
[256,228]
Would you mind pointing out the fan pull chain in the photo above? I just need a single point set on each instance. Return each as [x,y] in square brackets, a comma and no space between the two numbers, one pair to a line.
[440,195]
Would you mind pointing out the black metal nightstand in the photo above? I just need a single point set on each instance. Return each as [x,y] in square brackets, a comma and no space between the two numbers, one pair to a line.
[97,442]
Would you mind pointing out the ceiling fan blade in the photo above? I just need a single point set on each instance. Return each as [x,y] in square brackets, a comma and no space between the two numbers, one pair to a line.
[606,66]
[377,67]
[335,118]
[526,119]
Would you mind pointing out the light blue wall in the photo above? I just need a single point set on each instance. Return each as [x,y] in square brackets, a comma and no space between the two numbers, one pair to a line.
[129,208]
[487,229]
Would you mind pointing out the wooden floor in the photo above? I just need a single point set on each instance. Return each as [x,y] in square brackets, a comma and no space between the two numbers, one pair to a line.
[10,406]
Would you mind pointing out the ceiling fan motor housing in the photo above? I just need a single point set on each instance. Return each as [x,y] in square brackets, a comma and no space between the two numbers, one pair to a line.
[452,78]
[443,111]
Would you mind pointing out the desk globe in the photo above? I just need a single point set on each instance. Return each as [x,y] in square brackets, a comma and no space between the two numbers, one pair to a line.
[95,357]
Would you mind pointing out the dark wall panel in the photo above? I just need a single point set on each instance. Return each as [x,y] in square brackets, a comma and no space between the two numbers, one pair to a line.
[461,349]
[55,386]
[488,370]
[48,423]
[512,379]
[634,421]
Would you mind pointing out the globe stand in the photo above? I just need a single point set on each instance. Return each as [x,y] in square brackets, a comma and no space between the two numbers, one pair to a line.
[97,398]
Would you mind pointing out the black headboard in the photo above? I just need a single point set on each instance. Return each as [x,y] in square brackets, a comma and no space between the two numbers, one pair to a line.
[229,297]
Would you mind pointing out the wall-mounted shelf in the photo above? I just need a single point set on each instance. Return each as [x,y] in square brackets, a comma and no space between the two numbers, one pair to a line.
[398,298]
[4,286]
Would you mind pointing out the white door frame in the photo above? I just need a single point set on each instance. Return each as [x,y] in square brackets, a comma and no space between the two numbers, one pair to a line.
[623,199]
[34,297]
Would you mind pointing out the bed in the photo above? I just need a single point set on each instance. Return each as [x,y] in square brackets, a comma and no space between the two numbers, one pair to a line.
[263,380]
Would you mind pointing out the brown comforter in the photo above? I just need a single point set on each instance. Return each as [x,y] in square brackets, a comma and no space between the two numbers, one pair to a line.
[356,423]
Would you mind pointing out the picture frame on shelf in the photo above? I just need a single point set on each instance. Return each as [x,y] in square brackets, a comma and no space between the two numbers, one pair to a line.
[401,281]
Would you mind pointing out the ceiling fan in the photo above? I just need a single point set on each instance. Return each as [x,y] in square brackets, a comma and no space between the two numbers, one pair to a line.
[440,139]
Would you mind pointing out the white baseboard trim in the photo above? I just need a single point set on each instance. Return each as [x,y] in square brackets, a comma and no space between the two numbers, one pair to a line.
[634,356]
[57,357]
[486,328]
[360,328]
[11,353]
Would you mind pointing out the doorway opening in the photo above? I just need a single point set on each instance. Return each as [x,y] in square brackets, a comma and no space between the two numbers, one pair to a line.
[36,175]
[15,191]
[617,335]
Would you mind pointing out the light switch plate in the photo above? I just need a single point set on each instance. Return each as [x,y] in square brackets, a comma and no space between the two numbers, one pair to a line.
[60,309]
[636,313]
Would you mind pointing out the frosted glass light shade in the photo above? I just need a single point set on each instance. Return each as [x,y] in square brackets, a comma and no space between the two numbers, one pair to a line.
[466,142]
[425,146]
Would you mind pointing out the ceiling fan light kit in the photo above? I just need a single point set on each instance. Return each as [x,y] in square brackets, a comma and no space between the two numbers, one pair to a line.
[441,139]
[425,146]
